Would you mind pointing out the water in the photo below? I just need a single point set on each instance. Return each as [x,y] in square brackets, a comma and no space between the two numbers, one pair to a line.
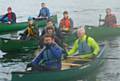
[83,12]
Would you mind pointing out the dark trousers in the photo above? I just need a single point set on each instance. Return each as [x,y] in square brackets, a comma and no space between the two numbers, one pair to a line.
[39,68]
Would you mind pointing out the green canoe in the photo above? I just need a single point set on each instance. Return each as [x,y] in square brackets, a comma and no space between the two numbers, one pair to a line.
[63,75]
[6,28]
[98,33]
[102,33]
[14,45]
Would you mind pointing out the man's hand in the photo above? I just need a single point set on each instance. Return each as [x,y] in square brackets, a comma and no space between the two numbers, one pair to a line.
[9,22]
[93,56]
[29,67]
[65,54]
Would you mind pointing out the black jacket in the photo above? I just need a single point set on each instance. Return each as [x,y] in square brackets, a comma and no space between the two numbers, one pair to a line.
[13,20]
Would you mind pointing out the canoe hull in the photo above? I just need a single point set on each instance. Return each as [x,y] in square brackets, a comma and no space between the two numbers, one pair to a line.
[6,28]
[64,75]
[8,45]
[102,33]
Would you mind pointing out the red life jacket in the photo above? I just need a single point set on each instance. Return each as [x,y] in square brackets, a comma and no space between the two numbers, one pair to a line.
[65,22]
[9,16]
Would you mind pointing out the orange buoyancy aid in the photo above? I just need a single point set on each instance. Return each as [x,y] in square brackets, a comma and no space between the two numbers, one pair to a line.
[65,22]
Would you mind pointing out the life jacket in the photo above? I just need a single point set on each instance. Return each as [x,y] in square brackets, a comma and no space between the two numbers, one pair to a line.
[30,31]
[83,47]
[50,59]
[65,22]
[44,12]
[110,20]
[9,16]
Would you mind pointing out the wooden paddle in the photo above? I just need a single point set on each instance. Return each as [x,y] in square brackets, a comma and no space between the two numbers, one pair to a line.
[70,64]
[74,58]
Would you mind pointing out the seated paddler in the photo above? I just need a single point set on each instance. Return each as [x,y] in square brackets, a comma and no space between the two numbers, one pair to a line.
[66,23]
[49,58]
[32,31]
[9,17]
[85,45]
[51,30]
[44,12]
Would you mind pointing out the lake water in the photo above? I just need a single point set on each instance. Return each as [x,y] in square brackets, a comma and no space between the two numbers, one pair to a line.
[83,12]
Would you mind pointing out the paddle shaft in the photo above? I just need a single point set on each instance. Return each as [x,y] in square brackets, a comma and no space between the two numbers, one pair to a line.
[109,58]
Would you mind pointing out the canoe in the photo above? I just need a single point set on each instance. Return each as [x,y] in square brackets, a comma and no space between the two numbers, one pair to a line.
[98,33]
[102,32]
[63,75]
[14,45]
[6,28]
[17,46]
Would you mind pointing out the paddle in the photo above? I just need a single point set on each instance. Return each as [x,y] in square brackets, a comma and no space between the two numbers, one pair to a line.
[77,58]
[100,19]
[107,58]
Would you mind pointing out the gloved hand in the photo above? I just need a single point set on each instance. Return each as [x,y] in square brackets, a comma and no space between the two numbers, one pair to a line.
[65,54]
[21,34]
[93,57]
[29,67]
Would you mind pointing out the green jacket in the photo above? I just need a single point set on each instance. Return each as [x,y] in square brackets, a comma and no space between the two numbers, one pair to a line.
[91,43]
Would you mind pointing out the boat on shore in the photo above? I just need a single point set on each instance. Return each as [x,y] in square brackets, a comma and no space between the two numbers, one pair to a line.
[71,72]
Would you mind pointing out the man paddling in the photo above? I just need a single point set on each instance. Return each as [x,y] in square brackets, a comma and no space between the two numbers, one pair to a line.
[85,45]
[49,58]
[44,12]
[11,16]
[110,19]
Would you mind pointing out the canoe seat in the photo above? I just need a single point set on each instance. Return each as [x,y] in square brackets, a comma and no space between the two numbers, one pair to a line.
[69,65]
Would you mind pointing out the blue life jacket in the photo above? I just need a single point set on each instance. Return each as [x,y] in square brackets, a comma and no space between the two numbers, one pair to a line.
[50,57]
[83,47]
[44,12]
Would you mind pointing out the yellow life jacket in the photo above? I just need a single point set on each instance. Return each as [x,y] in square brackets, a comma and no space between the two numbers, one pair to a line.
[30,31]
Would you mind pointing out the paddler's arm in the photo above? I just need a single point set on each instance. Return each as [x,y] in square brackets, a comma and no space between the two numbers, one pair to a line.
[74,49]
[94,45]
[3,17]
[71,23]
[114,19]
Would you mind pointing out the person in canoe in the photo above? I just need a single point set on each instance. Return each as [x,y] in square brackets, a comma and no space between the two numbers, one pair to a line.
[56,30]
[49,58]
[32,31]
[51,30]
[66,23]
[110,19]
[85,45]
[11,16]
[44,12]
